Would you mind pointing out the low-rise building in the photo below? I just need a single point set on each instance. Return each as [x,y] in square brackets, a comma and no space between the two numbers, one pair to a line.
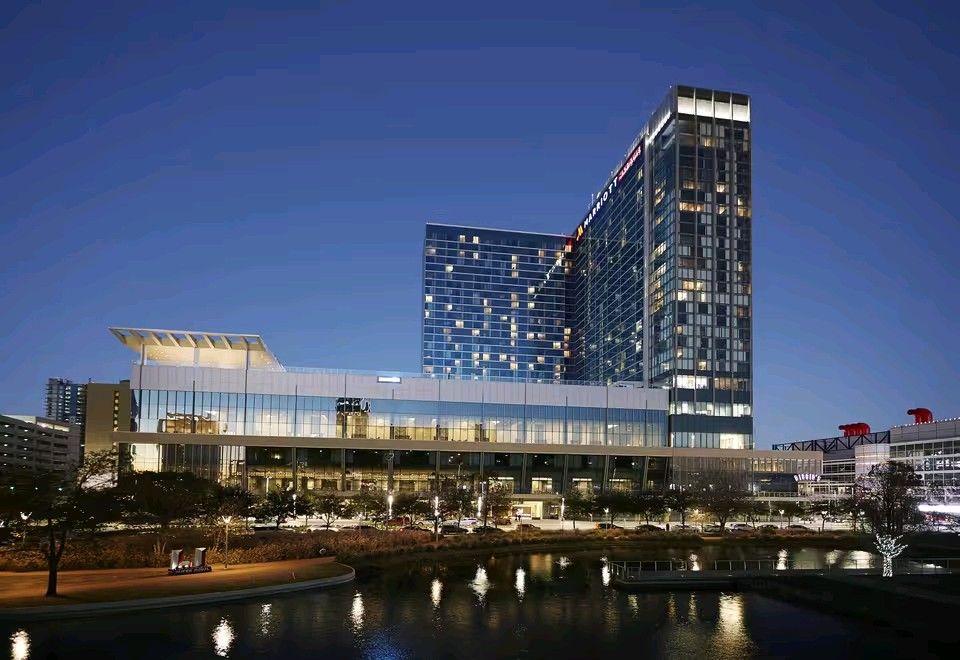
[222,406]
[37,443]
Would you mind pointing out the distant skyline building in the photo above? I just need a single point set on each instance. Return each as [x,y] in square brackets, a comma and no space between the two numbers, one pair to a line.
[656,279]
[65,400]
[37,444]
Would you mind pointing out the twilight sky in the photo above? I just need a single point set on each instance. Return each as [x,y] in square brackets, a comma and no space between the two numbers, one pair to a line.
[269,168]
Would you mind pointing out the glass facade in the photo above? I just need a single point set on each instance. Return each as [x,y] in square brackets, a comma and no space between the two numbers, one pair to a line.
[494,304]
[218,413]
[653,286]
[263,469]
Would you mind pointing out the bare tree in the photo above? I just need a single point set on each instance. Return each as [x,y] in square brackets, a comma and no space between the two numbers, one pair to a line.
[891,495]
[722,494]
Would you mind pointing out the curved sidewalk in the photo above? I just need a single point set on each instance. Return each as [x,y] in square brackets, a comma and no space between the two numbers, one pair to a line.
[93,592]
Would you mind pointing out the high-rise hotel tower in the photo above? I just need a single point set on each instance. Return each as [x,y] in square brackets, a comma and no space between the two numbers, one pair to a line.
[653,285]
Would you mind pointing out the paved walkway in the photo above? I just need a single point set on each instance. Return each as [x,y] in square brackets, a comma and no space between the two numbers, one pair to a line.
[104,585]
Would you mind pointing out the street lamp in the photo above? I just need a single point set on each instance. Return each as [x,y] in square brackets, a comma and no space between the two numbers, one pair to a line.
[389,507]
[226,537]
[563,507]
[479,506]
[436,517]
[294,507]
[781,518]
[606,511]
[25,517]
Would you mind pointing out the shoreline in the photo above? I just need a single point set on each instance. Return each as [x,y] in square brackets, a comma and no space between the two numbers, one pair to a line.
[103,591]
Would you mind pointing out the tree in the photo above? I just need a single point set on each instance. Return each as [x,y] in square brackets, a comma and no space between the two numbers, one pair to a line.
[578,505]
[723,494]
[370,504]
[497,502]
[613,504]
[80,497]
[651,505]
[793,510]
[456,502]
[329,507]
[409,505]
[277,507]
[682,499]
[891,495]
[825,510]
[233,501]
[166,499]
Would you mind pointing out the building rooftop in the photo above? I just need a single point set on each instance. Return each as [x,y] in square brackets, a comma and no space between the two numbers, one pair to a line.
[212,349]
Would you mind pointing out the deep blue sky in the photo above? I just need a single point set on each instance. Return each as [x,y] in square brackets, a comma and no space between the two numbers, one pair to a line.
[269,169]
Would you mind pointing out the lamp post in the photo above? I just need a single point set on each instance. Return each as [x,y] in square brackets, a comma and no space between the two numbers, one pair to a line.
[781,518]
[25,517]
[294,508]
[480,506]
[389,508]
[563,507]
[436,517]
[606,511]
[226,537]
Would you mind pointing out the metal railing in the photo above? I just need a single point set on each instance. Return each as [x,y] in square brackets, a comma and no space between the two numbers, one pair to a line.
[636,570]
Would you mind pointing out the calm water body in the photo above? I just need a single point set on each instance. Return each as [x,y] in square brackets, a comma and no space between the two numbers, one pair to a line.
[546,605]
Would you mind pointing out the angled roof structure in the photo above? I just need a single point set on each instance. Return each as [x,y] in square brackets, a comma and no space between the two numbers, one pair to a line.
[190,347]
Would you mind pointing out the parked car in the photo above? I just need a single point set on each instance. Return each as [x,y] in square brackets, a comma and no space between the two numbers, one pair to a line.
[607,525]
[527,527]
[648,528]
[799,527]
[451,530]
[743,526]
[362,527]
[463,522]
[711,529]
[767,528]
[684,528]
[413,528]
[487,529]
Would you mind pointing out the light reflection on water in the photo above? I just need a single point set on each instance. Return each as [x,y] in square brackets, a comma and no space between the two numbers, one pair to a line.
[480,583]
[436,590]
[502,606]
[20,645]
[222,638]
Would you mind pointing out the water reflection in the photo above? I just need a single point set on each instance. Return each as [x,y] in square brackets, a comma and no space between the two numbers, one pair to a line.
[782,560]
[830,559]
[356,612]
[222,638]
[521,614]
[694,562]
[858,559]
[563,562]
[730,628]
[20,645]
[265,618]
[480,583]
[436,590]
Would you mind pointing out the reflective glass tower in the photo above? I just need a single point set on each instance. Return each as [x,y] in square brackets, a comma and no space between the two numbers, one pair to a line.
[494,303]
[656,279]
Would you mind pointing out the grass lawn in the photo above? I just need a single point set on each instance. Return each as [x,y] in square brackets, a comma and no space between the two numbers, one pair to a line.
[93,586]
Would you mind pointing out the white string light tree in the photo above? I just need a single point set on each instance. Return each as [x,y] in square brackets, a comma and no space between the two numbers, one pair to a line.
[891,495]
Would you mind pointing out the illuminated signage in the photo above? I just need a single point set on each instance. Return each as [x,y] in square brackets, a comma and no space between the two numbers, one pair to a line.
[352,406]
[602,198]
[806,477]
[388,379]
